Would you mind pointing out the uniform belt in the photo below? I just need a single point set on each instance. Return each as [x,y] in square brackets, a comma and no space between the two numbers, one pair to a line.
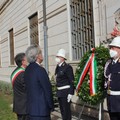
[63,87]
[110,92]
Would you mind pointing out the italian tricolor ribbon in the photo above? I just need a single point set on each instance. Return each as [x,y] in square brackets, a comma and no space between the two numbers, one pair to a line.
[16,73]
[91,66]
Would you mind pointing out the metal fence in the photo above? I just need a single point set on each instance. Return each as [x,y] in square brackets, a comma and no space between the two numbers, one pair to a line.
[82,25]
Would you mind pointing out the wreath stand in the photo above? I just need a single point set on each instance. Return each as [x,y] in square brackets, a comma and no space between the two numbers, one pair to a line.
[100,111]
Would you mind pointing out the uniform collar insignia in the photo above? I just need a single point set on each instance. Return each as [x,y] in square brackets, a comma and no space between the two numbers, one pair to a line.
[63,64]
[116,60]
[119,60]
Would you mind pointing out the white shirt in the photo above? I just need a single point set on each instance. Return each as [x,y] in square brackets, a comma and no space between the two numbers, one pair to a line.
[115,60]
[61,63]
[38,63]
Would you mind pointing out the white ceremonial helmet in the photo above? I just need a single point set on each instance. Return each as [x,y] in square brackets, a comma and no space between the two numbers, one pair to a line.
[61,53]
[115,42]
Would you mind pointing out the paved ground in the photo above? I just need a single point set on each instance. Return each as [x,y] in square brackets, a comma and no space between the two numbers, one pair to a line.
[57,116]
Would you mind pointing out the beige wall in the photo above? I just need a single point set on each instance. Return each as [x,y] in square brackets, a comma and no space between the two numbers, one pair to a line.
[104,19]
[16,14]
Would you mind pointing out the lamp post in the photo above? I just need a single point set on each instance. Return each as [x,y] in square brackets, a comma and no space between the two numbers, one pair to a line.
[45,36]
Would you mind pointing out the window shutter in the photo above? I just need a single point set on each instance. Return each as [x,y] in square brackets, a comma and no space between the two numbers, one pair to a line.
[11,37]
[34,29]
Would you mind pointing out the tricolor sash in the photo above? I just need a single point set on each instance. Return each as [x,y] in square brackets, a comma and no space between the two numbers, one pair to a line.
[15,74]
[90,65]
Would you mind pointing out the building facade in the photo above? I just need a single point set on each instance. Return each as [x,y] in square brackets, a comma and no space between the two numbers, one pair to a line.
[75,25]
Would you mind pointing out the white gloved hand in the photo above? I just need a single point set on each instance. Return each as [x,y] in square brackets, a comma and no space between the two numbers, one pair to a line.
[69,97]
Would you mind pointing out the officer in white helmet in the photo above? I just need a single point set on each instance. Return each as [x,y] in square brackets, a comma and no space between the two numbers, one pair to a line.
[64,82]
[112,75]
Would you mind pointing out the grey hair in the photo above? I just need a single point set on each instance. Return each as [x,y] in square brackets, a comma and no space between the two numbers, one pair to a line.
[32,52]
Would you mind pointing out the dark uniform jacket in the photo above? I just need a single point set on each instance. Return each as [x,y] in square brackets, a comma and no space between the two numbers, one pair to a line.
[113,70]
[19,94]
[64,76]
[39,91]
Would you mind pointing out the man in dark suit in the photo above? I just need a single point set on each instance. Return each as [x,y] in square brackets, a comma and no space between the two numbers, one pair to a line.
[112,75]
[64,81]
[39,90]
[19,90]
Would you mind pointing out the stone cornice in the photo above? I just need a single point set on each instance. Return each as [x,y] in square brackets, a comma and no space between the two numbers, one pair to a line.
[20,31]
[4,5]
[4,40]
[53,13]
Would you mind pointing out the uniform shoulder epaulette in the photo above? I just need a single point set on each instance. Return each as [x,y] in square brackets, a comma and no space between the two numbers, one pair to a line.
[109,61]
[68,65]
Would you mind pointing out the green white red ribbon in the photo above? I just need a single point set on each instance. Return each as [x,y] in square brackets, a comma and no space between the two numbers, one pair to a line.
[16,73]
[91,66]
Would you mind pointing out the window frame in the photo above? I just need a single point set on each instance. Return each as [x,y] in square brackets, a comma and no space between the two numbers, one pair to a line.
[11,57]
[70,32]
[30,18]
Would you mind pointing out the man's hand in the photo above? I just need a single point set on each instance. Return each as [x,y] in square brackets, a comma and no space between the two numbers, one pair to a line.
[69,97]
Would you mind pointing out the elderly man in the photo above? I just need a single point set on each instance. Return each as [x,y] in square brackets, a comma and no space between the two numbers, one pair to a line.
[65,89]
[112,75]
[19,90]
[39,91]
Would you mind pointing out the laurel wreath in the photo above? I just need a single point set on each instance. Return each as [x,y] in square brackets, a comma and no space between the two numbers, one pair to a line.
[102,55]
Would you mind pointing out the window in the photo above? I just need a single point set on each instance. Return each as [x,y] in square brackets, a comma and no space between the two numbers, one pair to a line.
[34,29]
[11,47]
[82,26]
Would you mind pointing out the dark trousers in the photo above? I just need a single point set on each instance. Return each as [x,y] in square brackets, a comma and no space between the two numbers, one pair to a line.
[22,117]
[39,118]
[114,115]
[65,108]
